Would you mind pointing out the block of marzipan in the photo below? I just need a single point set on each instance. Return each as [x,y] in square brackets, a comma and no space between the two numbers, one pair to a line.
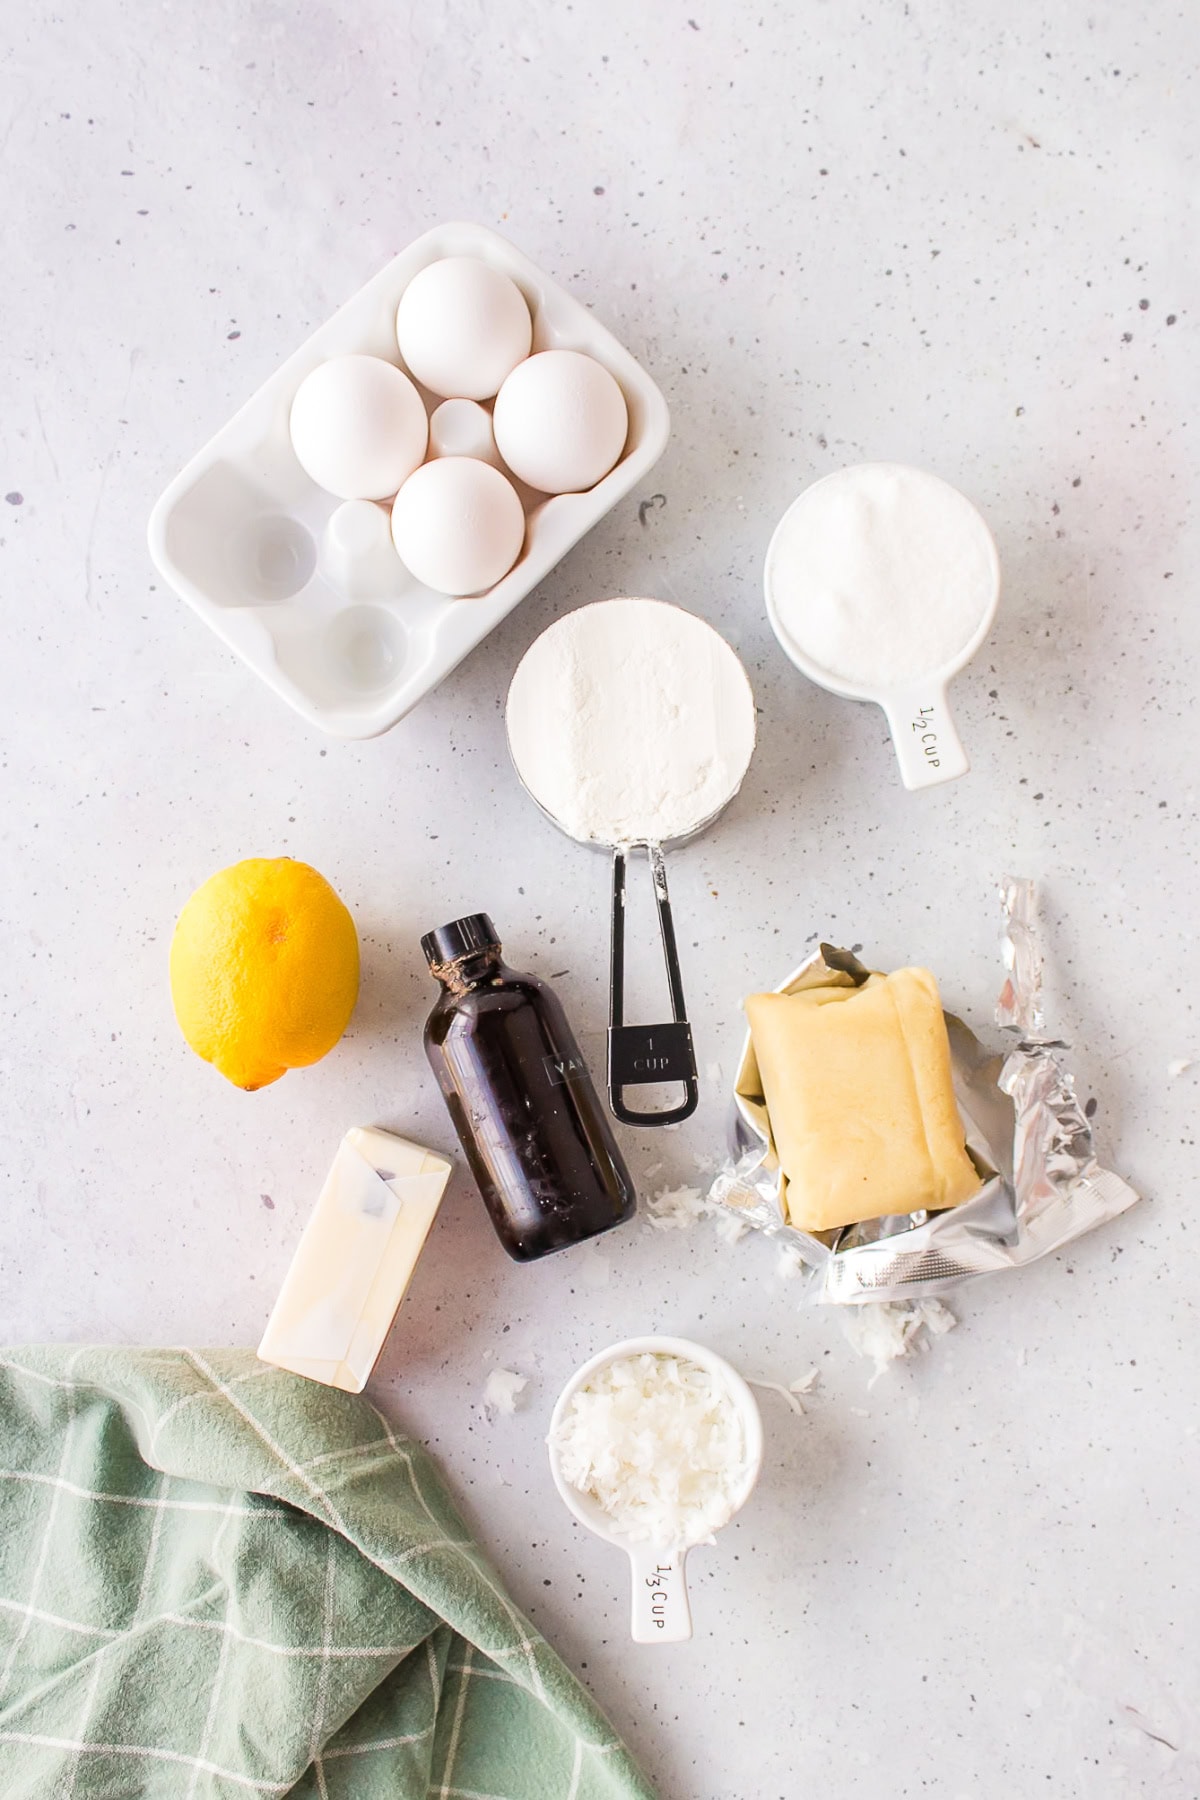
[860,1099]
[355,1258]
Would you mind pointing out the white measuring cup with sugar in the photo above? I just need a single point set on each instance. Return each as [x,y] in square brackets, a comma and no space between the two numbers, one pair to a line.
[881,583]
[661,757]
[661,1612]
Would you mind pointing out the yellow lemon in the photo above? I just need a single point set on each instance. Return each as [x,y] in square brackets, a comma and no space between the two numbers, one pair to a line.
[264,969]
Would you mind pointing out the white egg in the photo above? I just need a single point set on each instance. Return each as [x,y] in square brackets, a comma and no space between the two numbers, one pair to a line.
[458,525]
[358,427]
[462,428]
[560,421]
[462,326]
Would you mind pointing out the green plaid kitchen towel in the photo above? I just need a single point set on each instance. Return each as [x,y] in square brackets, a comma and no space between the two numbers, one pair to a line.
[218,1579]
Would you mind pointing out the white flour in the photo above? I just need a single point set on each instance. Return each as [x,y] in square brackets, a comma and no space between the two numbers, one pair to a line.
[630,722]
[881,573]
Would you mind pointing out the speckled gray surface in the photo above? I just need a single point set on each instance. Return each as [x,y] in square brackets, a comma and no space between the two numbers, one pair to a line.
[939,234]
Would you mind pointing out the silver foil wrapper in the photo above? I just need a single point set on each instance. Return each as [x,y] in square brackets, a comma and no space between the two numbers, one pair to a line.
[1019,1007]
[1025,1131]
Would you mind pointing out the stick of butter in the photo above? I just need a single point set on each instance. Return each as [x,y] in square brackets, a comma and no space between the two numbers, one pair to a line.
[860,1099]
[355,1259]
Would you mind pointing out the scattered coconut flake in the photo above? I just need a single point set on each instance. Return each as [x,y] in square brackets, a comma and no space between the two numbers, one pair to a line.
[729,1226]
[657,1442]
[777,1387]
[1178,1066]
[886,1330]
[674,1209]
[1022,1356]
[653,1170]
[502,1389]
[715,1073]
[878,1331]
[704,1162]
[804,1384]
[936,1317]
[790,1263]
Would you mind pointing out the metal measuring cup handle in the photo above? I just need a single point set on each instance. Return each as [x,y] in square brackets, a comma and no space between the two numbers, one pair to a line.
[639,1055]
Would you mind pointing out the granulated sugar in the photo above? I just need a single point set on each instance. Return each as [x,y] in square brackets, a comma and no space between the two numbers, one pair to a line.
[880,574]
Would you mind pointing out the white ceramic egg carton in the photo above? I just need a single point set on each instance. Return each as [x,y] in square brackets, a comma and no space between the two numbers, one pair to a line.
[238,533]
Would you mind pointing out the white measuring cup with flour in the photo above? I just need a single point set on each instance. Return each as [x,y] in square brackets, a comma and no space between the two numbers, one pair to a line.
[661,1613]
[882,582]
[631,723]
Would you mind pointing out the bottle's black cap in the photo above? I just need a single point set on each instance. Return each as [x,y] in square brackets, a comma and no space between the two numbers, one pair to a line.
[462,937]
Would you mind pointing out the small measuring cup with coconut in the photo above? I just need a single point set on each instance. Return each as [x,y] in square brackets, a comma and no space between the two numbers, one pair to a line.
[655,1444]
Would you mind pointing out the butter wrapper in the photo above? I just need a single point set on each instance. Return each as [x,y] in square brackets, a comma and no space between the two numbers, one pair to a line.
[1025,1132]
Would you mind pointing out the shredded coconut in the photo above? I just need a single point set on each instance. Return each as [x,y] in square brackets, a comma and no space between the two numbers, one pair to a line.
[936,1317]
[886,1330]
[1179,1065]
[729,1227]
[677,1209]
[674,1209]
[791,1393]
[503,1388]
[657,1442]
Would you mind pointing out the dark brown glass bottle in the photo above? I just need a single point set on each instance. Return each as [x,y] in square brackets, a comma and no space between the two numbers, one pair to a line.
[531,1124]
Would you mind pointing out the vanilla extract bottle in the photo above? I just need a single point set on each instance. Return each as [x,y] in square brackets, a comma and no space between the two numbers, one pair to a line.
[531,1125]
